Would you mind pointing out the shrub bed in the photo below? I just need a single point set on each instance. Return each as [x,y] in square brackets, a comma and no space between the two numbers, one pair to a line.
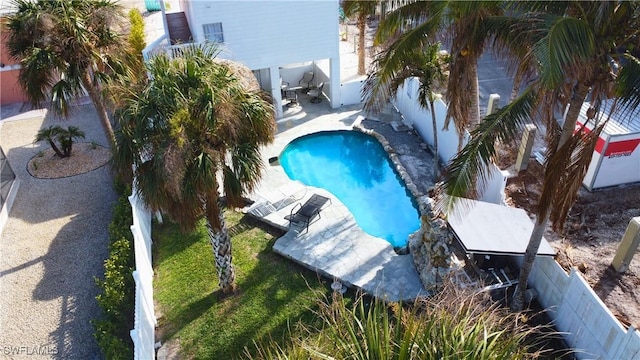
[117,288]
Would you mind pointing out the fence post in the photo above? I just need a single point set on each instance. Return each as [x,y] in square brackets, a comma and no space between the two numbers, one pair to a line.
[524,152]
[628,246]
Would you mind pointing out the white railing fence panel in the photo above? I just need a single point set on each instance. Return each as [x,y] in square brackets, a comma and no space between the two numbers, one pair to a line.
[143,333]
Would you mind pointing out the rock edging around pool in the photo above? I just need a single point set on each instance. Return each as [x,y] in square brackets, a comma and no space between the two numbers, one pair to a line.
[430,245]
[404,175]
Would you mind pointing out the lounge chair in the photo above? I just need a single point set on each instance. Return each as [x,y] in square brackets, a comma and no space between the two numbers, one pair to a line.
[305,214]
[268,202]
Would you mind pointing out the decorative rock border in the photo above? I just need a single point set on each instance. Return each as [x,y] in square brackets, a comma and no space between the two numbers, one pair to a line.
[84,158]
[404,175]
[429,245]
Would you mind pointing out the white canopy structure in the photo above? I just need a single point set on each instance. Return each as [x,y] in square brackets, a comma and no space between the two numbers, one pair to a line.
[486,228]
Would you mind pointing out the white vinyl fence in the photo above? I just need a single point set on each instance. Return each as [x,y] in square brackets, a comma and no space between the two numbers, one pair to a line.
[406,101]
[143,333]
[8,189]
[588,325]
[351,92]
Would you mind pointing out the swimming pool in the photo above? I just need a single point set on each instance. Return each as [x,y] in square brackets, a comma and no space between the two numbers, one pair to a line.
[356,169]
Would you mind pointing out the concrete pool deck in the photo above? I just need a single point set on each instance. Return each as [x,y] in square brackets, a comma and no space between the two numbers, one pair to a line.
[334,245]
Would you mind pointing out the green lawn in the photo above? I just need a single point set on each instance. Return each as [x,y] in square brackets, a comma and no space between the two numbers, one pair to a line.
[273,292]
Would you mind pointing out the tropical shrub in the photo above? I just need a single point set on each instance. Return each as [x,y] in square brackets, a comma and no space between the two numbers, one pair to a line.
[455,324]
[64,137]
[136,40]
[117,289]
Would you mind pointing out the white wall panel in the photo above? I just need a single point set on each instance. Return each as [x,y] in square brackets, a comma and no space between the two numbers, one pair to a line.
[262,34]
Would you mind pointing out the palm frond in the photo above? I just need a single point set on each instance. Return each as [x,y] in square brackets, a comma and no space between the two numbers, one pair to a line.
[247,165]
[568,44]
[429,15]
[473,160]
[233,188]
[564,173]
[628,84]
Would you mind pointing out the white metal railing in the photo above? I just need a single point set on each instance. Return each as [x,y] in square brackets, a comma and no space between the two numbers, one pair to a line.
[143,333]
[155,47]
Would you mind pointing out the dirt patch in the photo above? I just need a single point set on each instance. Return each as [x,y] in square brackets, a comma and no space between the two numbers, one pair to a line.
[84,158]
[592,233]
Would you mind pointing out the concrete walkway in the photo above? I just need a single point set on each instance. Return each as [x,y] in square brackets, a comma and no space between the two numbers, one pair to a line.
[334,246]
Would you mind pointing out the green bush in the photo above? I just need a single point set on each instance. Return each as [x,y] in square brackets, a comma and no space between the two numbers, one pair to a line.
[117,289]
[136,39]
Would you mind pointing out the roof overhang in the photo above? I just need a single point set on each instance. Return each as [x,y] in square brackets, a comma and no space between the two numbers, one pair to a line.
[486,228]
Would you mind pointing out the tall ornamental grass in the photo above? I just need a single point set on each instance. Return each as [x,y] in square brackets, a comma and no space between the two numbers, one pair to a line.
[455,324]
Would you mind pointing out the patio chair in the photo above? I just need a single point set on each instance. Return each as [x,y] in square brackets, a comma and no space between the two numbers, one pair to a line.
[305,82]
[292,97]
[268,202]
[315,93]
[283,84]
[306,213]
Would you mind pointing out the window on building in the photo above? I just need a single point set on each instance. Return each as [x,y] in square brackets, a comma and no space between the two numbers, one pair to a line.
[213,32]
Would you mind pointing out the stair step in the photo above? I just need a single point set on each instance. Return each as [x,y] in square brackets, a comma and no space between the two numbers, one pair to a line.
[179,31]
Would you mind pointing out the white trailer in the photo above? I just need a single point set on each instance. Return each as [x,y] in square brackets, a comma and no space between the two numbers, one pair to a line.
[616,158]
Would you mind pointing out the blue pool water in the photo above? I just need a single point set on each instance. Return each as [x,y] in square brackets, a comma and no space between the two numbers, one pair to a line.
[356,169]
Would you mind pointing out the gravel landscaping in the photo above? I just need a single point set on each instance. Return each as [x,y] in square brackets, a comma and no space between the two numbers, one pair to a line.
[52,246]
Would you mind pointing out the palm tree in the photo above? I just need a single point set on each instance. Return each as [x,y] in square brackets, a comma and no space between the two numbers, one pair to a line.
[67,137]
[65,47]
[191,132]
[50,134]
[361,9]
[464,27]
[427,64]
[64,136]
[578,47]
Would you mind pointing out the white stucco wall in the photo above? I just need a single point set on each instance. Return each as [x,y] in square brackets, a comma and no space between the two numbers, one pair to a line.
[262,34]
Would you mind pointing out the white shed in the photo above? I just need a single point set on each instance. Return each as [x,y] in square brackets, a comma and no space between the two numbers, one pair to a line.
[616,158]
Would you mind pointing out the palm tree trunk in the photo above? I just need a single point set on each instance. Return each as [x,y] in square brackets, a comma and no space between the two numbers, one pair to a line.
[436,160]
[55,148]
[362,21]
[101,109]
[474,102]
[221,244]
[515,90]
[571,118]
[527,263]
